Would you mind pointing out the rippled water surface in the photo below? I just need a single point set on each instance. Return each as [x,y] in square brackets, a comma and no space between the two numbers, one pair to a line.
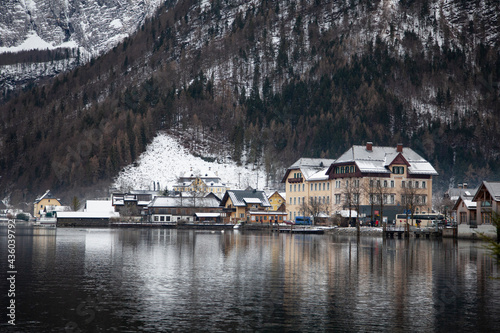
[129,280]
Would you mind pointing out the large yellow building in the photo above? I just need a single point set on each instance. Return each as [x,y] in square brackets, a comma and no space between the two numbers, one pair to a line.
[47,199]
[369,179]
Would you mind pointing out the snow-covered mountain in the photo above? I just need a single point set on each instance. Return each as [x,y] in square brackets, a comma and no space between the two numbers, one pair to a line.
[89,27]
[93,25]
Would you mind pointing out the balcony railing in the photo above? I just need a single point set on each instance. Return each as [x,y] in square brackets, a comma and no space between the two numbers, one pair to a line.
[295,180]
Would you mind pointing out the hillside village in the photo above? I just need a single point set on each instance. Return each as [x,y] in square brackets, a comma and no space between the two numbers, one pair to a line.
[367,185]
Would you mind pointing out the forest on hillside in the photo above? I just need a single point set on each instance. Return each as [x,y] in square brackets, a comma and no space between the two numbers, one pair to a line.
[269,84]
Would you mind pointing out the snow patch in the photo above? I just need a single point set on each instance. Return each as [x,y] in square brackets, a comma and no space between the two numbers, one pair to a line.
[116,24]
[165,159]
[32,42]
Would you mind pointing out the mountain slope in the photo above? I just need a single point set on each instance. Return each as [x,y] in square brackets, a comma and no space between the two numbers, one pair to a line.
[270,81]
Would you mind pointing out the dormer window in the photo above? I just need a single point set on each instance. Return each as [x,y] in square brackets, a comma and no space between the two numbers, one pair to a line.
[398,170]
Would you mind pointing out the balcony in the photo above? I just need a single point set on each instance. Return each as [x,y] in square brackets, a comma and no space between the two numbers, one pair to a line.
[295,180]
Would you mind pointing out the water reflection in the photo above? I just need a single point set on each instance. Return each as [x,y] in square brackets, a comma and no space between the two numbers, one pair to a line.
[185,280]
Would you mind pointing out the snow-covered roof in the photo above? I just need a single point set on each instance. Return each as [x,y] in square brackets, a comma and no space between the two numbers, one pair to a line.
[241,198]
[377,159]
[345,213]
[94,206]
[309,167]
[46,195]
[320,175]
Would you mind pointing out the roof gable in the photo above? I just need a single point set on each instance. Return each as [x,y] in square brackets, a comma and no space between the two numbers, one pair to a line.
[493,188]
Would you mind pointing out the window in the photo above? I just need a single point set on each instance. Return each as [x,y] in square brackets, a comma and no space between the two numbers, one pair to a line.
[312,187]
[328,199]
[315,187]
[294,201]
[423,184]
[352,169]
[295,188]
[416,184]
[392,199]
[299,200]
[356,198]
[341,169]
[156,218]
[385,183]
[290,187]
[392,183]
[162,218]
[303,187]
[290,201]
[242,215]
[337,199]
[403,184]
[324,186]
[328,186]
[337,184]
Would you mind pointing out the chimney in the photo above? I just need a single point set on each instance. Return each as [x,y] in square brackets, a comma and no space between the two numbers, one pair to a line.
[399,148]
[369,146]
[465,185]
[460,186]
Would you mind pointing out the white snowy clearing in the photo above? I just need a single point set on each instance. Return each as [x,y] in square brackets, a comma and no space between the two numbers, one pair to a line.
[165,159]
[35,42]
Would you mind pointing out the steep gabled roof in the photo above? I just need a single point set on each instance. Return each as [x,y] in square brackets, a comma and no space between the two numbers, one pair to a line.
[240,198]
[46,195]
[493,189]
[466,197]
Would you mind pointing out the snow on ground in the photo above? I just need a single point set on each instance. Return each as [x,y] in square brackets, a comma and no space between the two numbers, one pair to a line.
[35,42]
[165,159]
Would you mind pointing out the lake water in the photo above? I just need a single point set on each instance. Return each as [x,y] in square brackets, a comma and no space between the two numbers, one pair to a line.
[130,280]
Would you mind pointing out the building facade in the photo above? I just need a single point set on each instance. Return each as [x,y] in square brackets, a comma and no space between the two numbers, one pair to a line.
[487,200]
[241,205]
[201,182]
[47,199]
[371,180]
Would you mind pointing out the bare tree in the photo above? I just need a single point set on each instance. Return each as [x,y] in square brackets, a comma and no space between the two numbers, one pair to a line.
[412,198]
[381,192]
[315,207]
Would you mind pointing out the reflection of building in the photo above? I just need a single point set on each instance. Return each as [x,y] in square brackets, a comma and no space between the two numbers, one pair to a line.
[241,205]
[204,182]
[47,199]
